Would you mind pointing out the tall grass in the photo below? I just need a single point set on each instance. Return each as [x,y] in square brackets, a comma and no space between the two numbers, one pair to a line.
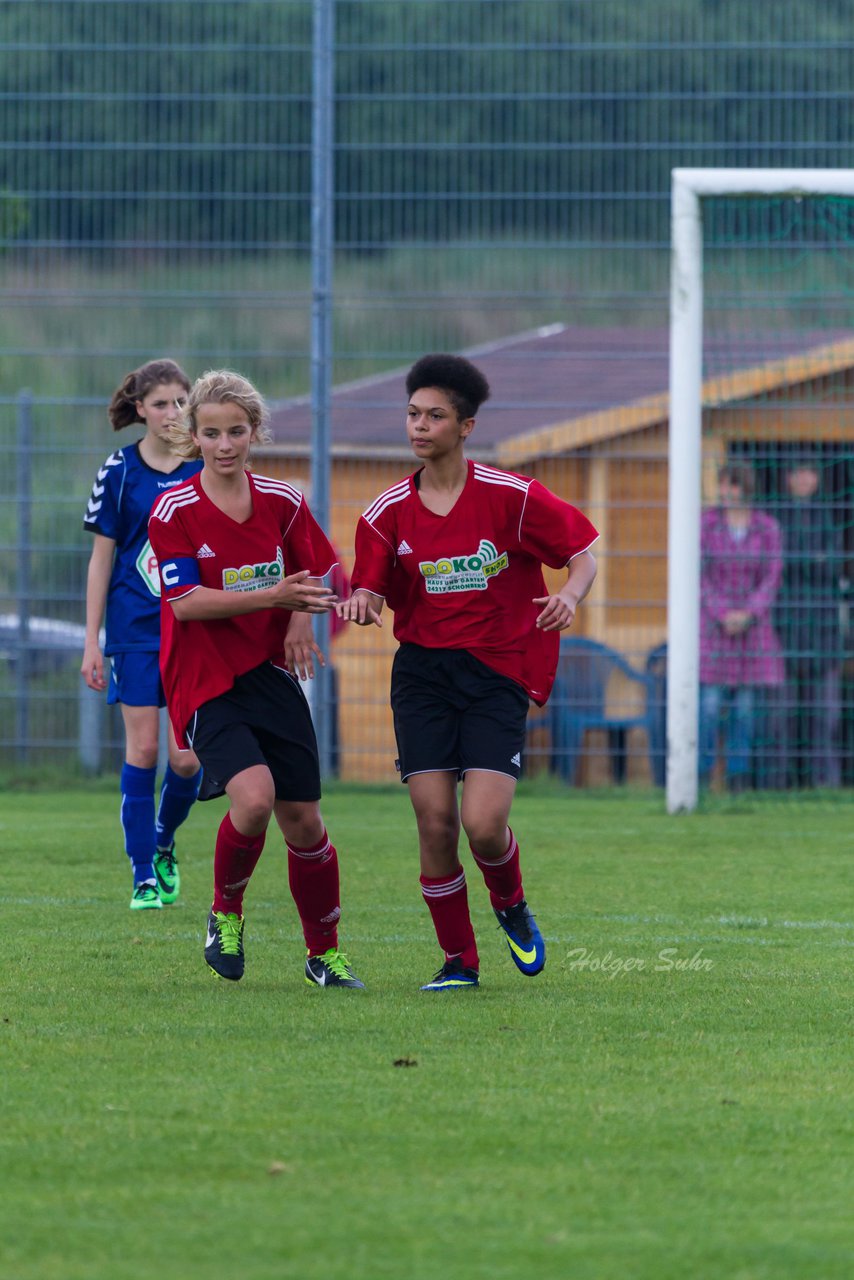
[72,327]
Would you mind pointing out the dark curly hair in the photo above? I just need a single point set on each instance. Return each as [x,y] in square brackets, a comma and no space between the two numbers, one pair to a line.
[463,383]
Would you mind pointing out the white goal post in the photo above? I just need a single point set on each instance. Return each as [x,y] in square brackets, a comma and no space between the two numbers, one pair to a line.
[689,186]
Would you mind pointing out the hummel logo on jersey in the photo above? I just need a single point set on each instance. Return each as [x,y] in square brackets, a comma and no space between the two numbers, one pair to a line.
[204,552]
[404,549]
[517,759]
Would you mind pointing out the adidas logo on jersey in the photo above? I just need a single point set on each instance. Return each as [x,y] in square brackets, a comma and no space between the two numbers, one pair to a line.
[517,759]
[204,552]
[404,549]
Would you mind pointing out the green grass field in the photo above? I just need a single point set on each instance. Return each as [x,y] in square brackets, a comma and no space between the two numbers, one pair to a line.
[671,1099]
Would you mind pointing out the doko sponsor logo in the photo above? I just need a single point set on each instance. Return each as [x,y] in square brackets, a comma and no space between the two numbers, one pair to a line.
[464,573]
[251,577]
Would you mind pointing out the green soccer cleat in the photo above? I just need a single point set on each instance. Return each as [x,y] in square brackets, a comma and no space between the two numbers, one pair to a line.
[453,976]
[224,945]
[332,969]
[145,898]
[168,875]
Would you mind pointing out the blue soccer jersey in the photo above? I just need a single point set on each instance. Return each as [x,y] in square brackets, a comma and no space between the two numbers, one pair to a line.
[123,494]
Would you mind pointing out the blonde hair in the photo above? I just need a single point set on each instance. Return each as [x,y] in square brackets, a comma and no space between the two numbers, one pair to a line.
[218,386]
[135,386]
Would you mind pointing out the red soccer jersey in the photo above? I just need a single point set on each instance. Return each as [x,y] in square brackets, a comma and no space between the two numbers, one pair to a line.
[196,544]
[467,580]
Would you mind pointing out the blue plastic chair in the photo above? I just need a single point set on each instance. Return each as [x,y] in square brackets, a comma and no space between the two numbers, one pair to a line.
[580,702]
[656,670]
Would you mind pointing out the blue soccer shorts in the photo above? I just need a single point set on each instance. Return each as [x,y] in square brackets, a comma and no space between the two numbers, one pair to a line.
[135,679]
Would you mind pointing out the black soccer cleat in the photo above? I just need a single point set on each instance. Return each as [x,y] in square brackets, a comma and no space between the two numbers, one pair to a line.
[332,969]
[224,945]
[452,976]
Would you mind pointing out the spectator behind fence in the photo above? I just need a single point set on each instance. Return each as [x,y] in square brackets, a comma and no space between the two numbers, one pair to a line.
[740,652]
[808,620]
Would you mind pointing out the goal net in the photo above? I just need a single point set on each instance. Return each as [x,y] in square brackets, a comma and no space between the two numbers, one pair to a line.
[761,478]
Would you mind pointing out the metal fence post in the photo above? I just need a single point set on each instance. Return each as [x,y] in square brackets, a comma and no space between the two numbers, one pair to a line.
[322,240]
[24,582]
[90,728]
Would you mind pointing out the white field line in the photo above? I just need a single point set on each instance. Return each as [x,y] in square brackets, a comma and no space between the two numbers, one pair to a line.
[736,922]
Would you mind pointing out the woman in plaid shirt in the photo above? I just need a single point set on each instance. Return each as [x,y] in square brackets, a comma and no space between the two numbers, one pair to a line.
[741,566]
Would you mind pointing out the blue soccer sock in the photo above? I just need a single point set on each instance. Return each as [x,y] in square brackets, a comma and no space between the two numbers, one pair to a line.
[176,800]
[137,788]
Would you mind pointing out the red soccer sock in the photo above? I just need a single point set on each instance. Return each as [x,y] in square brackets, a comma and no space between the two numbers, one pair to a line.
[313,879]
[504,877]
[447,899]
[235,859]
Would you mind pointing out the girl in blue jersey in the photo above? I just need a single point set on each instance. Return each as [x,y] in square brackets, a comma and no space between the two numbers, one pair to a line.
[123,578]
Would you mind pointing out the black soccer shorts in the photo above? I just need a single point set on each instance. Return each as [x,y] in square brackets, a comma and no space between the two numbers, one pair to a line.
[262,719]
[454,713]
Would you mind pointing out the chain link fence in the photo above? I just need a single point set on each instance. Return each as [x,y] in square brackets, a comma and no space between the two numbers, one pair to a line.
[501,187]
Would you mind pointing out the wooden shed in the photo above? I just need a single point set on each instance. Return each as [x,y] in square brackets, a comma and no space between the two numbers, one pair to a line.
[586,412]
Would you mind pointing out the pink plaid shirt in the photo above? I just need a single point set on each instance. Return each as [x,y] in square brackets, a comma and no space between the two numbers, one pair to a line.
[739,573]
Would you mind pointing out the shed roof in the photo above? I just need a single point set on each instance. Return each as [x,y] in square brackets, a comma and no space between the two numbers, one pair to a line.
[563,386]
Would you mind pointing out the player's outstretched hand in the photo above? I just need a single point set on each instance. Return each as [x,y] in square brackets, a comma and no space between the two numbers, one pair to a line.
[557,614]
[363,608]
[92,669]
[300,655]
[295,592]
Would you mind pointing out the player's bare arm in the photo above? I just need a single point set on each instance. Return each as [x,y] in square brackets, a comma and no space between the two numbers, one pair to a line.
[298,592]
[558,611]
[97,585]
[363,608]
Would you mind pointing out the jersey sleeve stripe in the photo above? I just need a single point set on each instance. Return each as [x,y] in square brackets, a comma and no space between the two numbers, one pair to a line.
[96,497]
[490,476]
[522,517]
[172,501]
[266,484]
[378,532]
[397,493]
[115,460]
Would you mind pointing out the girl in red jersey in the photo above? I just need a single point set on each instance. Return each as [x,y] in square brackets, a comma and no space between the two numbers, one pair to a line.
[457,551]
[240,561]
